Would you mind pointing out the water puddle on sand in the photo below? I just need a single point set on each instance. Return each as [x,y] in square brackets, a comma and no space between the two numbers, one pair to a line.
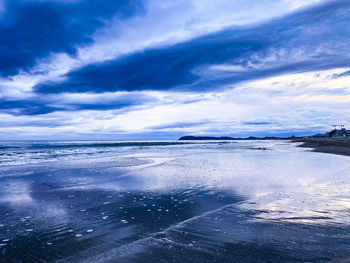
[220,203]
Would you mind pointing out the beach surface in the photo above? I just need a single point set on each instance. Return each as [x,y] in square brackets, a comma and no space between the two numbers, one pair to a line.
[339,146]
[243,201]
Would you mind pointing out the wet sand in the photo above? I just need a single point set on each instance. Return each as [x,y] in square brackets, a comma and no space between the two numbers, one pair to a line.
[202,203]
[340,146]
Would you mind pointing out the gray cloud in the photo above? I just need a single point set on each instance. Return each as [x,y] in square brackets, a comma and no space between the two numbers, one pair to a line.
[308,40]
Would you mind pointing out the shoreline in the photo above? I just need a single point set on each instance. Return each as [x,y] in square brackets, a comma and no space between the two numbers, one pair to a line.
[339,146]
[90,210]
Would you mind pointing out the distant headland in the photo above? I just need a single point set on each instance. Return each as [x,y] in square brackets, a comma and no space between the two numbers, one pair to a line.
[335,133]
[225,138]
[336,141]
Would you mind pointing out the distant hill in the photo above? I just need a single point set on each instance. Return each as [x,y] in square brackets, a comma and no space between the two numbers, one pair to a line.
[203,138]
[193,138]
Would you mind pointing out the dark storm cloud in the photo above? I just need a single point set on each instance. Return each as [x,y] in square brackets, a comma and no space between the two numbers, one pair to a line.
[315,64]
[25,107]
[37,123]
[39,106]
[32,29]
[319,34]
[343,74]
[178,125]
[258,123]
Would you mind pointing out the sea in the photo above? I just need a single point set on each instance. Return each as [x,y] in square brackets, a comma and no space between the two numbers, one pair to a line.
[172,201]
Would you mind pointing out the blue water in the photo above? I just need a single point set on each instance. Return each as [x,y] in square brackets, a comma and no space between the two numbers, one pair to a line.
[246,201]
[24,152]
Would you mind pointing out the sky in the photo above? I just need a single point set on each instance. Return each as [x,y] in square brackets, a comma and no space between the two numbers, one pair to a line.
[150,69]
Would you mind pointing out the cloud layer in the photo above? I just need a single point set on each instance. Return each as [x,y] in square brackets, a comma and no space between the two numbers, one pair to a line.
[309,40]
[31,30]
[112,61]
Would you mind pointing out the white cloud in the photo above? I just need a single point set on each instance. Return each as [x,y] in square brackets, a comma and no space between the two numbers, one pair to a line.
[295,102]
[298,102]
[166,22]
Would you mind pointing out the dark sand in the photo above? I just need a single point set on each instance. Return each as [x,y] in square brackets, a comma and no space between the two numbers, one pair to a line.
[340,146]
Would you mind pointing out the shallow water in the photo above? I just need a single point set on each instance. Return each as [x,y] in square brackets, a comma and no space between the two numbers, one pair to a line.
[249,201]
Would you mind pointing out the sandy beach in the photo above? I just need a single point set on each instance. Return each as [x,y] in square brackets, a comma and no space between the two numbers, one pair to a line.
[208,202]
[339,146]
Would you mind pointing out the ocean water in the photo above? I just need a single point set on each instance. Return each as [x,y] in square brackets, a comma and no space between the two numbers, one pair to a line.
[171,201]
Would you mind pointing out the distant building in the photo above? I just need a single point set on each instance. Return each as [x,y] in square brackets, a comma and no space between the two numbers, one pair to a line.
[338,133]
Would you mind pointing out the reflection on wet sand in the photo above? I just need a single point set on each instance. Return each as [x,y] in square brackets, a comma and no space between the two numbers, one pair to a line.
[228,203]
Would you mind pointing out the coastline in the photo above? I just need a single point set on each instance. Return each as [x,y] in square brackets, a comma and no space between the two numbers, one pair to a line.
[199,198]
[339,146]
